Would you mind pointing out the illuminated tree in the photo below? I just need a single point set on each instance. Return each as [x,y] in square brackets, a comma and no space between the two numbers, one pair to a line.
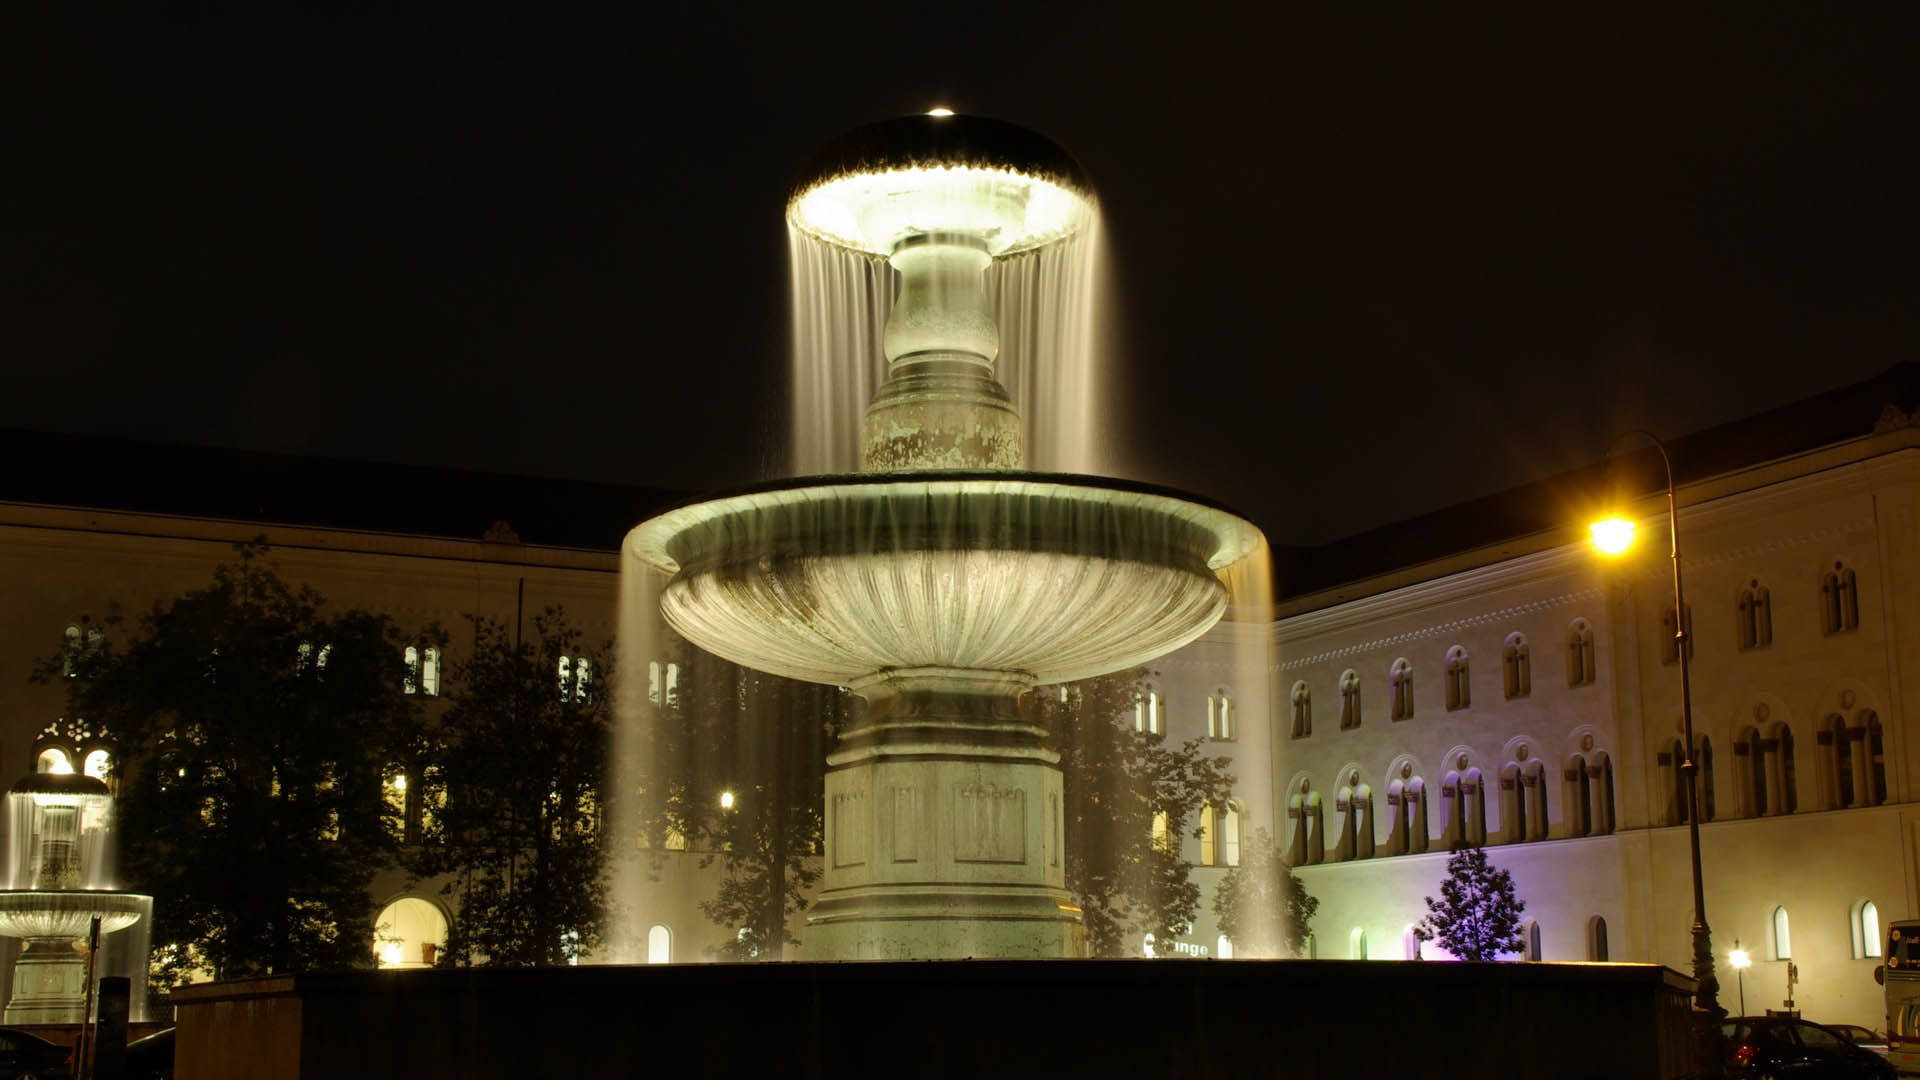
[523,760]
[1262,906]
[252,728]
[1123,866]
[1478,914]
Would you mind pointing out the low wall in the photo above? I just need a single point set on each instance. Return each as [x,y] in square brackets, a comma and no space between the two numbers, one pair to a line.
[956,1018]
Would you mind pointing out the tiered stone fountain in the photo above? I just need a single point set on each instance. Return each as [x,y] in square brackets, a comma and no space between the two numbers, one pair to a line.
[66,814]
[943,581]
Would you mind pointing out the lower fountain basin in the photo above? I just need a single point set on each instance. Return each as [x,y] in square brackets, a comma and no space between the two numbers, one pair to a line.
[67,913]
[838,579]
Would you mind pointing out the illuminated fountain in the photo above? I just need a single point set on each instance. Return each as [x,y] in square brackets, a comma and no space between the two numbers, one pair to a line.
[60,843]
[943,581]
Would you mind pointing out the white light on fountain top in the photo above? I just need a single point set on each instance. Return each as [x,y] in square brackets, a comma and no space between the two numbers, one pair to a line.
[1009,189]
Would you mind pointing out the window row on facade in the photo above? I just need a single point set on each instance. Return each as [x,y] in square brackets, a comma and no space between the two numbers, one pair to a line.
[1150,713]
[1838,601]
[1522,791]
[1516,679]
[1850,762]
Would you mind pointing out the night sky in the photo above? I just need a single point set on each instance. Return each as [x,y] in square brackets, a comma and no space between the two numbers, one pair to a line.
[1370,265]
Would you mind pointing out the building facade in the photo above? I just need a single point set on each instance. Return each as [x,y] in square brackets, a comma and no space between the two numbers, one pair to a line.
[1516,691]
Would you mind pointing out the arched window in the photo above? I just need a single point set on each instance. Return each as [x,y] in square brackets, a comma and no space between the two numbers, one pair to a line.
[1303,807]
[1876,759]
[1450,797]
[67,666]
[566,677]
[1349,699]
[409,684]
[659,945]
[97,764]
[1410,943]
[1782,940]
[1580,658]
[393,792]
[1513,805]
[1597,939]
[53,760]
[1601,808]
[1784,784]
[1753,616]
[654,697]
[1357,944]
[1415,797]
[1531,938]
[1669,642]
[1220,715]
[410,933]
[1354,803]
[1459,688]
[1223,947]
[432,800]
[1473,798]
[1750,772]
[1146,711]
[430,671]
[1708,809]
[1400,689]
[1836,760]
[1209,854]
[1302,699]
[582,679]
[1516,667]
[1866,930]
[1230,835]
[1674,758]
[1839,600]
[1579,797]
[1160,835]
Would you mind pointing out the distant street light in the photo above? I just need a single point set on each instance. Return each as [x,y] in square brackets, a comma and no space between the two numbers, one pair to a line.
[1613,536]
[1741,962]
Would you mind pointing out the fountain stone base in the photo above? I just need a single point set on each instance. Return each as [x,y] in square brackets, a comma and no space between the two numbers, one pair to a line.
[944,837]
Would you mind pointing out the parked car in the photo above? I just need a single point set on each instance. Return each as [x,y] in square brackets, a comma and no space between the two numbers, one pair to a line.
[1864,1038]
[30,1057]
[1777,1047]
[151,1058]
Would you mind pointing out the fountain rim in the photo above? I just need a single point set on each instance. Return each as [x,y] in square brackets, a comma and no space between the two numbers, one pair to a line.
[647,541]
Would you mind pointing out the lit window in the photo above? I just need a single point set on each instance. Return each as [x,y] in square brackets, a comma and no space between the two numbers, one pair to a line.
[1223,947]
[430,671]
[1220,716]
[1160,836]
[54,760]
[410,933]
[582,679]
[98,764]
[566,677]
[1866,930]
[1230,836]
[659,945]
[1146,712]
[1782,939]
[409,684]
[393,791]
[1207,846]
[1357,944]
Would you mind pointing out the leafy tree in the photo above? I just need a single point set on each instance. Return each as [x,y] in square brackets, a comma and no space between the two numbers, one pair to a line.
[251,727]
[517,795]
[1478,915]
[735,770]
[1117,781]
[1262,906]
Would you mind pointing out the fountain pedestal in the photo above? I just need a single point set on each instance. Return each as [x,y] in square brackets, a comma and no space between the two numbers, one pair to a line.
[943,831]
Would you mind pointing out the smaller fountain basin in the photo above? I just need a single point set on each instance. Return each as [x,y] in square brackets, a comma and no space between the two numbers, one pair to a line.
[67,913]
[837,579]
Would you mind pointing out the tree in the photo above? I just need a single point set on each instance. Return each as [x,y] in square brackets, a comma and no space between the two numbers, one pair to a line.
[1129,798]
[1478,915]
[251,727]
[1262,906]
[734,769]
[518,788]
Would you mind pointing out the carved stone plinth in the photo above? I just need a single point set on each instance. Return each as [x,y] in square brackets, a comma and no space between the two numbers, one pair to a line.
[943,830]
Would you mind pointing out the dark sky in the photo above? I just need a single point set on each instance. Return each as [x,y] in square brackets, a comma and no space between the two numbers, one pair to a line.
[1370,264]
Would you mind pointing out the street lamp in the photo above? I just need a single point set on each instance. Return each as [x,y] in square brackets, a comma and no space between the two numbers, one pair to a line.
[1614,535]
[726,800]
[1741,962]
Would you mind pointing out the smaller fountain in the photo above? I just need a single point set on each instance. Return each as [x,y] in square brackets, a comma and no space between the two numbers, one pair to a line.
[59,852]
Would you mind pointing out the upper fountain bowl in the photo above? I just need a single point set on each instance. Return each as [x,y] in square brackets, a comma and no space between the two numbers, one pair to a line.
[1009,188]
[1036,577]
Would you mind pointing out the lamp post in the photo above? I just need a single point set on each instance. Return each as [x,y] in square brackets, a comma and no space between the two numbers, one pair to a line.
[1741,962]
[1614,536]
